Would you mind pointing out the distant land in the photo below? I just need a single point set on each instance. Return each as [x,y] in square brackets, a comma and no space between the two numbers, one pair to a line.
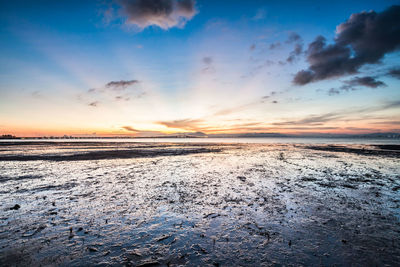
[384,135]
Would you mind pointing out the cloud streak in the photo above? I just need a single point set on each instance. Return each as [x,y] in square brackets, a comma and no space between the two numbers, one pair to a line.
[366,81]
[353,84]
[94,104]
[121,85]
[321,119]
[186,124]
[130,129]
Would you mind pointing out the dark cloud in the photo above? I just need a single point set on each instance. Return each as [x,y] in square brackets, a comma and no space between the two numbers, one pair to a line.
[113,91]
[354,84]
[120,85]
[395,73]
[363,39]
[367,81]
[162,13]
[94,104]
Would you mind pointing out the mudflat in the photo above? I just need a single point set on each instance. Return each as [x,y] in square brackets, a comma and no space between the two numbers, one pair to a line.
[170,204]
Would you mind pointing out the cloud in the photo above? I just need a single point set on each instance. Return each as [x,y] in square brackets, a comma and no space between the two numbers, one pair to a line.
[293,38]
[367,81]
[297,51]
[36,94]
[333,91]
[187,124]
[209,68]
[352,84]
[120,85]
[207,60]
[391,104]
[120,98]
[274,45]
[340,115]
[395,72]
[130,129]
[312,120]
[387,122]
[94,104]
[165,14]
[363,39]
[260,14]
[113,91]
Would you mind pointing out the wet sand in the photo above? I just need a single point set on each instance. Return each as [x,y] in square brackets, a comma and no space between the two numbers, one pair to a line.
[203,204]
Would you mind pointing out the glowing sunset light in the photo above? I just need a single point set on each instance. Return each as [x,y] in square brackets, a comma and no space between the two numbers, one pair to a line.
[117,70]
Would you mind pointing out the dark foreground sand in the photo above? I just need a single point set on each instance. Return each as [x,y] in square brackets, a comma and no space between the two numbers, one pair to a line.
[199,204]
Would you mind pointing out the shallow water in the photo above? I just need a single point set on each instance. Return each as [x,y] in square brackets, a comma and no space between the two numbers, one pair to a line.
[237,140]
[210,205]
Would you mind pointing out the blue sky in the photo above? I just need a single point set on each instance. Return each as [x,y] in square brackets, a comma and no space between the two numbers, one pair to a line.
[219,66]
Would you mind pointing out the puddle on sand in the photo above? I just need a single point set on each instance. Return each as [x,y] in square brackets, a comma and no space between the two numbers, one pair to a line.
[225,205]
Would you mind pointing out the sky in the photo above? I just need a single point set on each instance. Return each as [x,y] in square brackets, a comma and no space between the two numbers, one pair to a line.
[159,67]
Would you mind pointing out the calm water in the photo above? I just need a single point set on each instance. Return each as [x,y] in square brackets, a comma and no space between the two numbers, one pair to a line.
[260,140]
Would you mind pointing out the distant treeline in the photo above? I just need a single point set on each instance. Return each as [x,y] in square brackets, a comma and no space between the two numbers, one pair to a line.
[8,136]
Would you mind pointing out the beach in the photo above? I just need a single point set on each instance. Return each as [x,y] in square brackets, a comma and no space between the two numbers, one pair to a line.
[199,204]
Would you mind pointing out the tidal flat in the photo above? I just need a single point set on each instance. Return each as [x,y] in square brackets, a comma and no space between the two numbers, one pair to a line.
[198,204]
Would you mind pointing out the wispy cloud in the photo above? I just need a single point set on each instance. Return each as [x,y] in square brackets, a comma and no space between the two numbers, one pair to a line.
[355,83]
[321,119]
[367,81]
[94,104]
[120,85]
[130,129]
[186,124]
[293,38]
[37,94]
[260,14]
[113,91]
[209,66]
[297,51]
[311,120]
[274,45]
